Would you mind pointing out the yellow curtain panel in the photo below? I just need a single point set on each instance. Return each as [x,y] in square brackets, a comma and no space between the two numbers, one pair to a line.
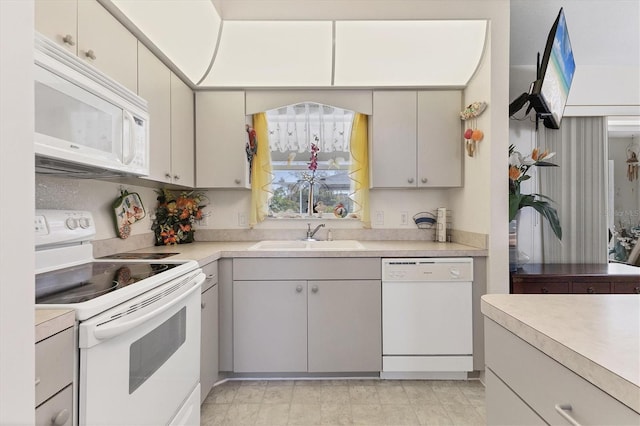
[261,175]
[359,170]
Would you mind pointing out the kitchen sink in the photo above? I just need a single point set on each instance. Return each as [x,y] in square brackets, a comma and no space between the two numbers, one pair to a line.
[307,245]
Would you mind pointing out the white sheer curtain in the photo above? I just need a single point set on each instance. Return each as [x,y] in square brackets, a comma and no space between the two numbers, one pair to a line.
[579,189]
[295,127]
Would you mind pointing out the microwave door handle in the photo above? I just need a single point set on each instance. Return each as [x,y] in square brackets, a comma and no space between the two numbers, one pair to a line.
[104,332]
[132,138]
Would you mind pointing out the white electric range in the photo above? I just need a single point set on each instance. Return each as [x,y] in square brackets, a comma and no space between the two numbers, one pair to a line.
[138,358]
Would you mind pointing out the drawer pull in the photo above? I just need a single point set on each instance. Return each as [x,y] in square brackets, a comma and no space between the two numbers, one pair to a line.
[299,288]
[314,289]
[563,410]
[591,290]
[203,305]
[38,381]
[61,418]
[90,54]
[544,290]
[637,290]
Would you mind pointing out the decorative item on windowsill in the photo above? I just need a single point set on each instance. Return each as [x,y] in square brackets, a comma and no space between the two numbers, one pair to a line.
[175,216]
[127,209]
[472,135]
[518,168]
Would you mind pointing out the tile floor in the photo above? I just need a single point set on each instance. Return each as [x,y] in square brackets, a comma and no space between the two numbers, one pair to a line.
[345,402]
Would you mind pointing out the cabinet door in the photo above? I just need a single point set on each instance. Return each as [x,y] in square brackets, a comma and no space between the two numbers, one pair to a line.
[155,87]
[439,139]
[221,161]
[57,20]
[345,326]
[182,133]
[269,326]
[393,147]
[209,341]
[114,47]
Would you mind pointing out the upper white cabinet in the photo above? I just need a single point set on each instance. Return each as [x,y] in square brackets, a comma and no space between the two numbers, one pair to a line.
[155,87]
[182,133]
[171,124]
[221,160]
[416,139]
[88,30]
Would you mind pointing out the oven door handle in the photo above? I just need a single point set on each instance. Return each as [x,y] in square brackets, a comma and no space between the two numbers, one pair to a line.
[108,331]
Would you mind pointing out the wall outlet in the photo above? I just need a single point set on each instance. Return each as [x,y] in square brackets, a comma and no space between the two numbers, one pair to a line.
[242,219]
[404,218]
[379,217]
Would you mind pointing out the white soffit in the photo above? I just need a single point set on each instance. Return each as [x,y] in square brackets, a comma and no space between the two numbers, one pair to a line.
[185,31]
[408,53]
[272,54]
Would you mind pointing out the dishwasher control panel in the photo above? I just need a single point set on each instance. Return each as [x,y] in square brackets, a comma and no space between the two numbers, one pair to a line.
[427,269]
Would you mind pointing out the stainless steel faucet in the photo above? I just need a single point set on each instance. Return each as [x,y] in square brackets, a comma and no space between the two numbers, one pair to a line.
[311,233]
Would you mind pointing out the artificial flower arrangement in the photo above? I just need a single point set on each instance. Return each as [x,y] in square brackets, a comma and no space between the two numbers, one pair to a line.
[176,215]
[518,168]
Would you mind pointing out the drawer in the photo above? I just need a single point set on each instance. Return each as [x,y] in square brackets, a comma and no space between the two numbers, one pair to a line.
[211,271]
[626,288]
[591,287]
[54,364]
[57,409]
[543,383]
[504,407]
[540,287]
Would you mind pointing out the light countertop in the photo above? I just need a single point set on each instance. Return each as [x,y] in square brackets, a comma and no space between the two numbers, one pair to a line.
[51,321]
[595,336]
[205,252]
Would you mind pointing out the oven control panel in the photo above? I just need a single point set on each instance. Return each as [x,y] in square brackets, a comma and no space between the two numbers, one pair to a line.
[63,226]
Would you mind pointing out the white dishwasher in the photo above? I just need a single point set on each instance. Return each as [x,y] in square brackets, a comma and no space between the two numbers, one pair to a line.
[427,327]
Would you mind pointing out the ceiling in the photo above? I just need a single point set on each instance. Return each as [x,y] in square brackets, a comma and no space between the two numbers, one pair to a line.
[307,43]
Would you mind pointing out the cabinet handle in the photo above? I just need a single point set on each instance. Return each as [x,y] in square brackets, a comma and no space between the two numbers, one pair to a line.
[202,305]
[211,276]
[563,409]
[299,289]
[314,289]
[544,290]
[176,177]
[637,290]
[61,418]
[237,181]
[591,290]
[38,381]
[90,54]
[424,180]
[68,39]
[410,180]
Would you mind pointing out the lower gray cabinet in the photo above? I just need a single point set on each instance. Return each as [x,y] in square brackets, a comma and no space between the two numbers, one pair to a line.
[269,326]
[303,324]
[209,330]
[344,323]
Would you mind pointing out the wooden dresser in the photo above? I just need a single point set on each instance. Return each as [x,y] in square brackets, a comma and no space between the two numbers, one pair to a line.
[576,279]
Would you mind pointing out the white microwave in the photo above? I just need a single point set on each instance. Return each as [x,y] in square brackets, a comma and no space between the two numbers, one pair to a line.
[85,122]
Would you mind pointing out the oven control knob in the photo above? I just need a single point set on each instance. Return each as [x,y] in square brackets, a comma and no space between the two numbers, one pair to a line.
[72,223]
[84,222]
